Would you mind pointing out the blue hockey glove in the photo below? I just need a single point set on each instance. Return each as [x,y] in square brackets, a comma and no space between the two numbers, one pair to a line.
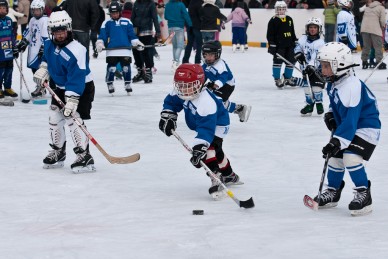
[332,148]
[199,153]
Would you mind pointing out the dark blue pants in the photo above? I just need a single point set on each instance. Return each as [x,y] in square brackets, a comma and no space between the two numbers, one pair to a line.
[239,36]
[193,36]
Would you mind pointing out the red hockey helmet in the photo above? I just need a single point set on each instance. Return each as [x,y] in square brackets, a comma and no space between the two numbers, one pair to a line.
[188,81]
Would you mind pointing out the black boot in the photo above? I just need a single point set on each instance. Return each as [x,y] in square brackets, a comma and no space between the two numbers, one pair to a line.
[148,76]
[139,77]
[330,197]
[55,157]
[362,202]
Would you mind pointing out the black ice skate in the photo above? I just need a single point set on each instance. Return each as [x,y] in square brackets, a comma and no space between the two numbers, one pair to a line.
[38,92]
[365,64]
[111,89]
[216,189]
[307,110]
[139,76]
[279,83]
[362,202]
[55,157]
[330,197]
[243,111]
[128,88]
[293,81]
[84,161]
[320,109]
[232,179]
[148,76]
[382,66]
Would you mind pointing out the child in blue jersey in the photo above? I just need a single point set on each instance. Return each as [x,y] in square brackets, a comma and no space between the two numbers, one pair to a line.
[346,28]
[220,78]
[205,114]
[8,52]
[33,38]
[117,33]
[354,120]
[305,53]
[65,61]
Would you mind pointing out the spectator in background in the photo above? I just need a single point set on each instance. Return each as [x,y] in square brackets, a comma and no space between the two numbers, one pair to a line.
[13,14]
[194,33]
[246,10]
[292,4]
[372,28]
[24,7]
[96,29]
[49,7]
[238,18]
[330,14]
[229,3]
[346,29]
[211,19]
[127,10]
[312,4]
[269,4]
[253,4]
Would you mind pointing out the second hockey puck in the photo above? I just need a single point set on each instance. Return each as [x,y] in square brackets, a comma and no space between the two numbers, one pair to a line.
[197,212]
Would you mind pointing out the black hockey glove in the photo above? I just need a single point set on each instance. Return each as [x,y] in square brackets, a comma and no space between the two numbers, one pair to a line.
[344,40]
[330,121]
[167,122]
[272,49]
[199,152]
[332,148]
[299,56]
[41,51]
[15,52]
[22,45]
[210,85]
[309,70]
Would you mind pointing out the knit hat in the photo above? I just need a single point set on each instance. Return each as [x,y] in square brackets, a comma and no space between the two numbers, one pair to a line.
[212,2]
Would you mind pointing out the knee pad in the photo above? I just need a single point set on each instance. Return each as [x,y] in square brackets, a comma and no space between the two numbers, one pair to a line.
[125,69]
[78,136]
[352,161]
[336,165]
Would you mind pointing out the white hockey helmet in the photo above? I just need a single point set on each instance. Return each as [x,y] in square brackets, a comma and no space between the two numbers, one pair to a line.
[58,21]
[280,9]
[38,4]
[314,21]
[339,57]
[344,3]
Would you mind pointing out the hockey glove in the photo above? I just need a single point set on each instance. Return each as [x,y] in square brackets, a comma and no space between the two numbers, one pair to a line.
[41,51]
[41,75]
[272,49]
[22,45]
[199,153]
[71,105]
[15,52]
[211,85]
[330,121]
[344,40]
[299,56]
[168,122]
[332,148]
[309,70]
[99,45]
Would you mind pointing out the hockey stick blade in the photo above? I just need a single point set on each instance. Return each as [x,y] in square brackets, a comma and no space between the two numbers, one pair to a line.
[25,100]
[124,160]
[7,103]
[248,204]
[310,203]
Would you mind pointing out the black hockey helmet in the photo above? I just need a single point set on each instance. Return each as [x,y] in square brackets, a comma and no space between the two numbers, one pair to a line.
[213,46]
[115,7]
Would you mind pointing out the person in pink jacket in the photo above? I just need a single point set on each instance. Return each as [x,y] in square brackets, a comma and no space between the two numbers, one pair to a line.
[238,18]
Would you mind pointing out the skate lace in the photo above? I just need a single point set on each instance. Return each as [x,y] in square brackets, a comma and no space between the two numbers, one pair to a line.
[359,196]
[53,154]
[80,157]
[328,195]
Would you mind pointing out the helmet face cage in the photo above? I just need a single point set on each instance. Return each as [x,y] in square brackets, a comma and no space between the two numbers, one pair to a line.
[213,47]
[314,21]
[188,91]
[59,21]
[280,9]
[37,4]
[188,81]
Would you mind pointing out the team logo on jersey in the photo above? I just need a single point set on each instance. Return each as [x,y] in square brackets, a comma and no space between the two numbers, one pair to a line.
[5,45]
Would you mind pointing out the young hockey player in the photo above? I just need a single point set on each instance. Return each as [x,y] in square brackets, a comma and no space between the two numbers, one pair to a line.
[117,33]
[205,114]
[281,39]
[305,53]
[33,38]
[346,28]
[68,66]
[8,52]
[354,120]
[221,80]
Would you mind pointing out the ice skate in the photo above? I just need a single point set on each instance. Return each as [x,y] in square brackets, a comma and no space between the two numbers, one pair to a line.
[243,111]
[139,76]
[307,110]
[111,88]
[215,189]
[55,157]
[362,202]
[320,109]
[10,93]
[293,81]
[365,64]
[128,88]
[232,179]
[279,83]
[1,94]
[234,47]
[330,197]
[246,46]
[84,161]
[382,66]
[38,92]
[148,76]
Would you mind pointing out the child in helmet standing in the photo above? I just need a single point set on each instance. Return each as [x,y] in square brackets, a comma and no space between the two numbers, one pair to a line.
[205,114]
[346,28]
[306,51]
[117,33]
[354,121]
[281,39]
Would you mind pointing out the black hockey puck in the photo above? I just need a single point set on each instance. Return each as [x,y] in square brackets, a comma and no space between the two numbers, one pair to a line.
[197,212]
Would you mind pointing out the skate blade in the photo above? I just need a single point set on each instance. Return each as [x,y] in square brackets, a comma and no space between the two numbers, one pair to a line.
[84,169]
[247,113]
[59,164]
[234,183]
[306,115]
[365,211]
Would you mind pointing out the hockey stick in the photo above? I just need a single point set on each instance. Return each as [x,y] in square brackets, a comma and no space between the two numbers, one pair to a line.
[21,81]
[243,204]
[307,200]
[113,160]
[375,68]
[158,44]
[288,62]
[25,83]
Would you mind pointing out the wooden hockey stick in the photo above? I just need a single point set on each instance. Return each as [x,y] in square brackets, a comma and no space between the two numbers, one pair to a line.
[112,159]
[243,204]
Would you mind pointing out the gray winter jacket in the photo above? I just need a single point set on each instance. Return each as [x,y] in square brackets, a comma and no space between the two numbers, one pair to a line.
[374,19]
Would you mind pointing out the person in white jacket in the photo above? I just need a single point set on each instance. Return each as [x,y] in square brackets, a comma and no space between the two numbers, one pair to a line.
[13,14]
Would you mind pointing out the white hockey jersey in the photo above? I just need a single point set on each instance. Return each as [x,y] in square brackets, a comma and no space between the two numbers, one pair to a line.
[346,27]
[309,49]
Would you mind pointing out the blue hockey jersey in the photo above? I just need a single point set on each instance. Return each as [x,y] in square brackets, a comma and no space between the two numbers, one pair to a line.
[68,66]
[7,39]
[203,114]
[219,73]
[117,34]
[355,111]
